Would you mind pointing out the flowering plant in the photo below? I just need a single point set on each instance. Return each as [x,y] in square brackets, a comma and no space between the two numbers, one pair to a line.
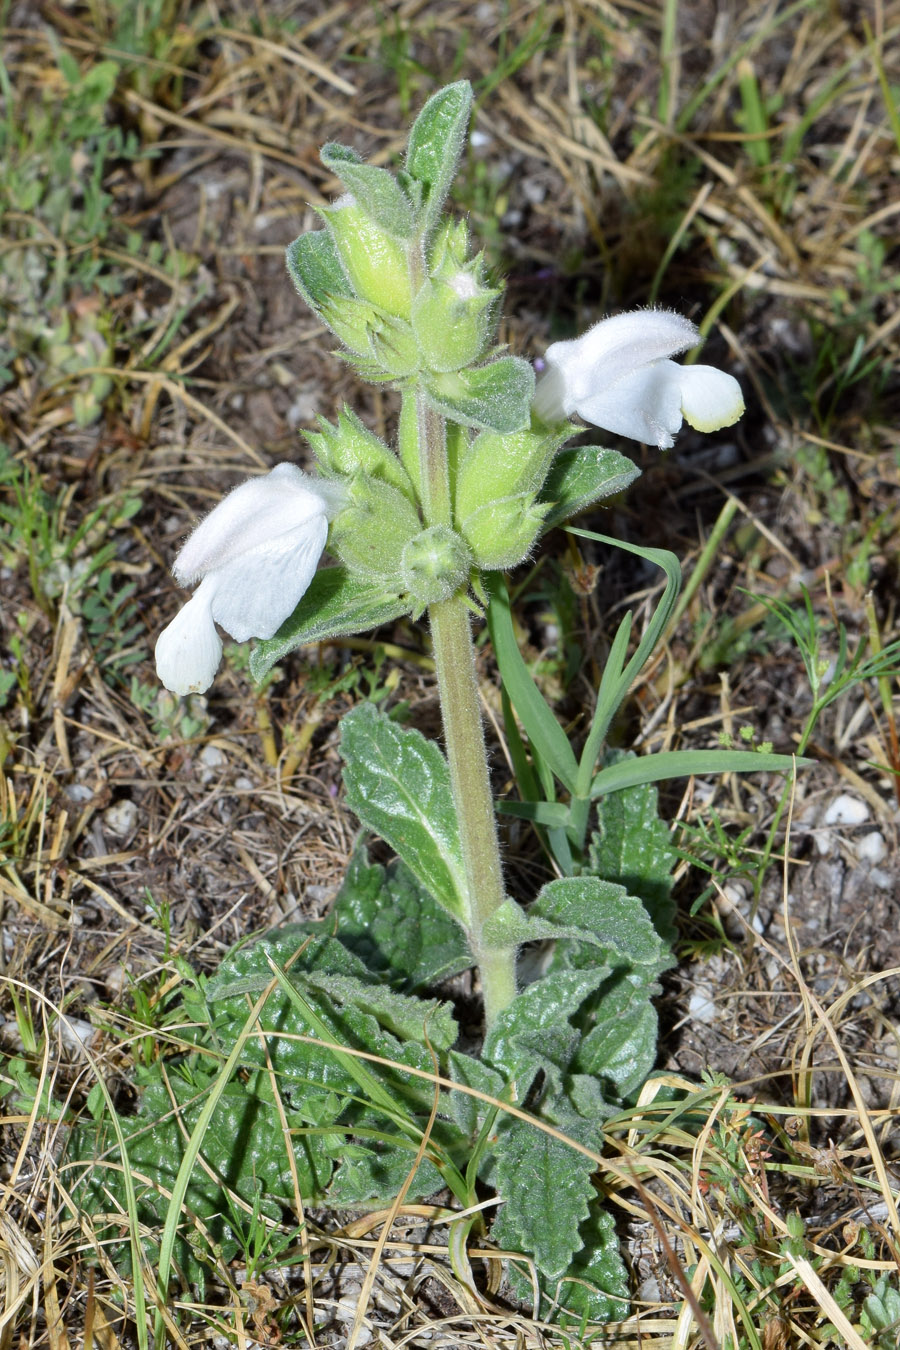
[477,473]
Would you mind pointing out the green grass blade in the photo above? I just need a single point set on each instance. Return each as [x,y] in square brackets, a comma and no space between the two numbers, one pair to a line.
[613,694]
[685,763]
[544,732]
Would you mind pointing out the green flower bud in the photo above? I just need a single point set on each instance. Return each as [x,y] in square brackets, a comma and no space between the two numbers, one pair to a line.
[502,533]
[453,320]
[435,564]
[350,450]
[497,483]
[450,248]
[370,535]
[500,466]
[374,259]
[352,320]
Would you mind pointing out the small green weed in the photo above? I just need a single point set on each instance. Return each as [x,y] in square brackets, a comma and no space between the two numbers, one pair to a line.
[75,564]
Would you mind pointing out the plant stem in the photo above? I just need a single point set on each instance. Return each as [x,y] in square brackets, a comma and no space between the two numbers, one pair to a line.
[454,660]
[464,740]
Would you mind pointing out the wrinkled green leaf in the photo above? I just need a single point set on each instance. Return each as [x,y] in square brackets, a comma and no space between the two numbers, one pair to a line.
[534,1033]
[547,1190]
[633,846]
[338,1001]
[597,913]
[376,190]
[372,1173]
[582,475]
[337,603]
[469,1112]
[620,1050]
[244,1146]
[435,145]
[496,397]
[398,783]
[392,923]
[593,1289]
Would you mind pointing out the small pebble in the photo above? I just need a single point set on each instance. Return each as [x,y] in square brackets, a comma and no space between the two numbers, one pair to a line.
[212,759]
[121,817]
[75,1033]
[824,842]
[871,848]
[702,1006]
[846,810]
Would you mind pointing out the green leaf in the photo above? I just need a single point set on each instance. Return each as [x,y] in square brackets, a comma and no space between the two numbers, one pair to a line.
[315,269]
[496,397]
[435,145]
[337,603]
[377,191]
[582,475]
[243,1149]
[598,913]
[318,1000]
[593,1289]
[398,783]
[392,923]
[634,848]
[374,1173]
[469,1112]
[534,1033]
[684,763]
[544,732]
[620,1049]
[547,1189]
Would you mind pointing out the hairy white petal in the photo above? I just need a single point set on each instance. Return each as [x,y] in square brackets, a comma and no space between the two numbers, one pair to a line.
[252,514]
[189,650]
[257,591]
[645,405]
[710,398]
[614,349]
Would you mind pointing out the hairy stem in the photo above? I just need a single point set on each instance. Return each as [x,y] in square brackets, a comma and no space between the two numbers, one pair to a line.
[463,734]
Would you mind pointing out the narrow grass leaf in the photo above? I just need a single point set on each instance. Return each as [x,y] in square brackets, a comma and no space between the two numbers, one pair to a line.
[542,728]
[685,763]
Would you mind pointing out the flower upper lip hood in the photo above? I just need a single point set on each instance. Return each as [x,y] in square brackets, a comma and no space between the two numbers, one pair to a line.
[618,376]
[254,555]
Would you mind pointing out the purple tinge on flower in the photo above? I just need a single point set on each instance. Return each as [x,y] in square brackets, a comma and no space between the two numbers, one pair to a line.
[618,376]
[254,556]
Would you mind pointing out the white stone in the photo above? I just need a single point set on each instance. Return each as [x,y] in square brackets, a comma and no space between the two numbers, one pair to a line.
[121,817]
[871,848]
[846,810]
[213,761]
[702,1005]
[75,1033]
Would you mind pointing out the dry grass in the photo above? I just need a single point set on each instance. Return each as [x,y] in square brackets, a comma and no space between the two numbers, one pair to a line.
[620,157]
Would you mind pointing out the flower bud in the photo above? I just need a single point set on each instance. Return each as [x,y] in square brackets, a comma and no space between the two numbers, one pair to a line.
[350,449]
[374,259]
[453,320]
[502,533]
[499,466]
[435,564]
[374,528]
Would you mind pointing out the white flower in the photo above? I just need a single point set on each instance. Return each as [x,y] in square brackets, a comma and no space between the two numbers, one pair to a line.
[254,556]
[618,376]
